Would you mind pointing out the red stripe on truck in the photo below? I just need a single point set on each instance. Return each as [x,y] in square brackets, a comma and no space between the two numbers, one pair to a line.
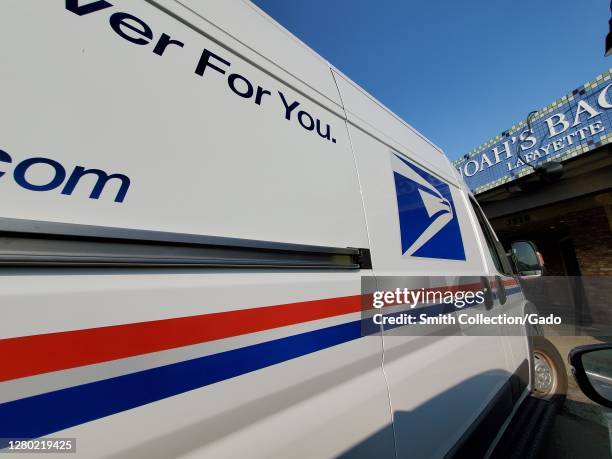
[36,354]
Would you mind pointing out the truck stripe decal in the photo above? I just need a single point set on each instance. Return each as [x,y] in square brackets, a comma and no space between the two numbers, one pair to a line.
[36,354]
[39,415]
[42,414]
[44,353]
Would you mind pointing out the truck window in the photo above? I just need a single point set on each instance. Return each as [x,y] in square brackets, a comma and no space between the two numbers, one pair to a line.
[502,264]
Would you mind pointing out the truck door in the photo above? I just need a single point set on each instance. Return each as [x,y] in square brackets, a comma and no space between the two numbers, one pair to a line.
[439,385]
[508,301]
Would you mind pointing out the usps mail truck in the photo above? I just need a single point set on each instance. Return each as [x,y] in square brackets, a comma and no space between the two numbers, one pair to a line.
[190,198]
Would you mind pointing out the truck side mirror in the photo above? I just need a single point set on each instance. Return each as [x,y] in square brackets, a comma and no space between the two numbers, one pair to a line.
[527,260]
[592,368]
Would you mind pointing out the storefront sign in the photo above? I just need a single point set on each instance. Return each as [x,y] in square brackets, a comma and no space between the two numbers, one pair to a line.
[573,125]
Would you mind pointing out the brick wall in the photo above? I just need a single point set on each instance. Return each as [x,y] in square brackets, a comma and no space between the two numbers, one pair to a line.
[592,238]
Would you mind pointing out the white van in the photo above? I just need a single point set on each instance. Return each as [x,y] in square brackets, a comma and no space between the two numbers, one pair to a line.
[190,199]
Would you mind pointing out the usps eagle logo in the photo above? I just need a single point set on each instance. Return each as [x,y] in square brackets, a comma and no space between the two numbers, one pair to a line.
[428,221]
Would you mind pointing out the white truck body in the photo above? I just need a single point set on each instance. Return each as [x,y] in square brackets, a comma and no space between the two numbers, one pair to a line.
[123,140]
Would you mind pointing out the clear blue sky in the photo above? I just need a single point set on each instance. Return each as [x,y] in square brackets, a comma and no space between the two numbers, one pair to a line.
[460,72]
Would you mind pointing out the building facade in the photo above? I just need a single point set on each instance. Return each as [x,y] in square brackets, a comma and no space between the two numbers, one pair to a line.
[569,218]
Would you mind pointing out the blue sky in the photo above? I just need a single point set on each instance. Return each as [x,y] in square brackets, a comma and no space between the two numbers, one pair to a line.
[460,72]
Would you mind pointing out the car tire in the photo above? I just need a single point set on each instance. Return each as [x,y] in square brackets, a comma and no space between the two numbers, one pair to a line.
[550,375]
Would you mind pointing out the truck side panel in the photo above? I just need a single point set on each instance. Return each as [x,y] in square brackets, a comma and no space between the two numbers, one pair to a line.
[157,362]
[190,152]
